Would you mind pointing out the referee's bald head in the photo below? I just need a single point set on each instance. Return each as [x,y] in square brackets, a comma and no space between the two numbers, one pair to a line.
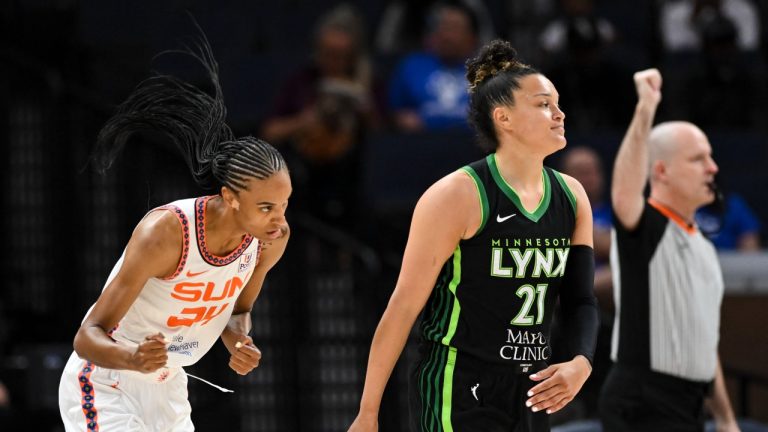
[667,139]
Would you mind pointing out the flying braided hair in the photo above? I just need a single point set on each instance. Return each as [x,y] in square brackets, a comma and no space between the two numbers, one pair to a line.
[195,122]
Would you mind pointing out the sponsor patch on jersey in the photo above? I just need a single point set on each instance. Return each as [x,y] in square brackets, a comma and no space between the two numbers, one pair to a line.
[245,262]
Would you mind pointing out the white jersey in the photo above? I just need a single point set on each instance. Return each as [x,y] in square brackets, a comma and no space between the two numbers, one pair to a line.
[192,306]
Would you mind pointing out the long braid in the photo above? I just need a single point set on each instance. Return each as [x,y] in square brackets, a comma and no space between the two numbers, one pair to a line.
[195,122]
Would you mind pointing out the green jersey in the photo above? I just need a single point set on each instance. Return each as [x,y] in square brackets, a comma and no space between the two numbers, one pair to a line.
[495,296]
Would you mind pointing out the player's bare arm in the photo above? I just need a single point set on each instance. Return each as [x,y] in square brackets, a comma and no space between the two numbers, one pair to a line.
[447,212]
[245,356]
[154,250]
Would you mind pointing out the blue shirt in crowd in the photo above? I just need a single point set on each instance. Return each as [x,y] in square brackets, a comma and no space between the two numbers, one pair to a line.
[725,230]
[436,91]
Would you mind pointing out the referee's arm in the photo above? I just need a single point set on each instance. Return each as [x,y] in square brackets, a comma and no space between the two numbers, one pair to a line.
[630,170]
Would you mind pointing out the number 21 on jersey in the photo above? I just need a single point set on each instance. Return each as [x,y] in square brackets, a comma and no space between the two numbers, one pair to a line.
[530,295]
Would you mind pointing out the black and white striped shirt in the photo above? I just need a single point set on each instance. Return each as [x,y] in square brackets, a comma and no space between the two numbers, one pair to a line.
[667,289]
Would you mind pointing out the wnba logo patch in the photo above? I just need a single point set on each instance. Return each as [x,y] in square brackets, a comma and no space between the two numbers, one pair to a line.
[245,262]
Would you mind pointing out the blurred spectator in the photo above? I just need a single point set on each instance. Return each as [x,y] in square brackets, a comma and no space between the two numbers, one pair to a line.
[522,21]
[6,419]
[578,19]
[712,61]
[428,90]
[593,87]
[5,399]
[730,224]
[323,111]
[584,164]
[684,22]
[402,25]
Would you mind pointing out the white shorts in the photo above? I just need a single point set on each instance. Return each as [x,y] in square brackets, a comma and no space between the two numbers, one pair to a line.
[93,398]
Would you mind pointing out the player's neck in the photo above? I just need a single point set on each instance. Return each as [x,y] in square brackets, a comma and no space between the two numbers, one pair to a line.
[221,233]
[520,170]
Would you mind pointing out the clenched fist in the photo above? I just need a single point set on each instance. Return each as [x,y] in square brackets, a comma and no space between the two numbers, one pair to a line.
[648,86]
[150,355]
[245,357]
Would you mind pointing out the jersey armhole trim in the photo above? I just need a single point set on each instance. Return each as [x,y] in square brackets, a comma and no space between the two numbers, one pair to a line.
[182,218]
[568,192]
[483,197]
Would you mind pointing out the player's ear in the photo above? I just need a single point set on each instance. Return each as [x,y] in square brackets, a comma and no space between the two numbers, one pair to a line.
[501,118]
[230,198]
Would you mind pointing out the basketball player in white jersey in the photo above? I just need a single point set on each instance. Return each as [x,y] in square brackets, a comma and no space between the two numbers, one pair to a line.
[191,270]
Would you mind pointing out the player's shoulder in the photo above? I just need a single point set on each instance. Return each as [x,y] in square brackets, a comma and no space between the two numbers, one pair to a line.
[455,187]
[448,204]
[159,229]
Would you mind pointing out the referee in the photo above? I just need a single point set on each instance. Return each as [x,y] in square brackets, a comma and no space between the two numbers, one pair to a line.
[667,281]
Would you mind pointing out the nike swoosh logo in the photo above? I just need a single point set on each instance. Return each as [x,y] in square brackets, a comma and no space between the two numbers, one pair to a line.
[502,219]
[190,274]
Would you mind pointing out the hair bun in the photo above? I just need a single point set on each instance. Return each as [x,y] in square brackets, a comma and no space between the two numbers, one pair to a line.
[498,56]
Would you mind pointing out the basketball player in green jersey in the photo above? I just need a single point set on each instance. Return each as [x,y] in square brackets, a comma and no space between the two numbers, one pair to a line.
[491,248]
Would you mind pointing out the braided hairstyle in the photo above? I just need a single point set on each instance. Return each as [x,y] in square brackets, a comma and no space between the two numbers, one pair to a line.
[195,122]
[493,75]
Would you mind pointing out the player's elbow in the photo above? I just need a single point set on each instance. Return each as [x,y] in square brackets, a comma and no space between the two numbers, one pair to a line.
[83,342]
[403,308]
[79,343]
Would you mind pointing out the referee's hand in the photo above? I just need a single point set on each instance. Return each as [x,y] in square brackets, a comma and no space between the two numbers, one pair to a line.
[558,385]
[648,86]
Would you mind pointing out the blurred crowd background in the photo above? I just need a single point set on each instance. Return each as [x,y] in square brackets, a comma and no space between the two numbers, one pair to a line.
[367,101]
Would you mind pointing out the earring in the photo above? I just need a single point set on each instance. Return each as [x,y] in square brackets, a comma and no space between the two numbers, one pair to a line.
[236,205]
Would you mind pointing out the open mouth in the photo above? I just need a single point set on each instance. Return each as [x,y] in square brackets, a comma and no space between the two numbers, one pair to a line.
[277,233]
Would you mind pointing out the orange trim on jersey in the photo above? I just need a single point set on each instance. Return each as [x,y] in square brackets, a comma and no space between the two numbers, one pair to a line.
[88,398]
[184,237]
[214,260]
[690,228]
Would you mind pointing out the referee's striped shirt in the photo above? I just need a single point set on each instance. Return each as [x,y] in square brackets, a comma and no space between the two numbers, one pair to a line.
[667,289]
